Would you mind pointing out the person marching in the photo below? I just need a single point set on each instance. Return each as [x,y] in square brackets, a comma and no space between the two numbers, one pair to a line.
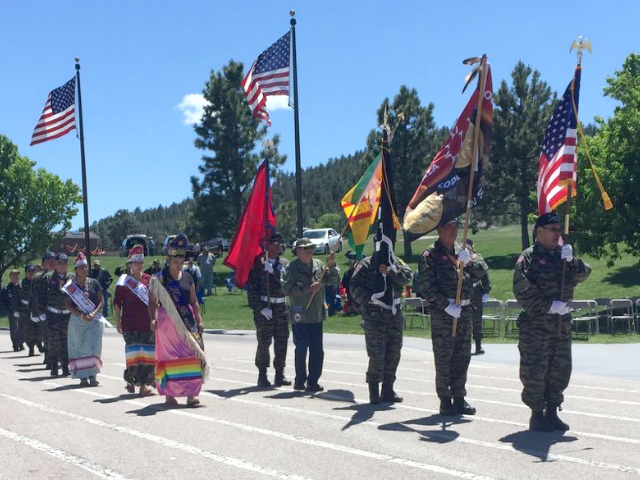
[31,334]
[37,316]
[52,301]
[181,364]
[479,295]
[130,304]
[382,327]
[84,301]
[437,283]
[305,280]
[12,304]
[268,302]
[545,323]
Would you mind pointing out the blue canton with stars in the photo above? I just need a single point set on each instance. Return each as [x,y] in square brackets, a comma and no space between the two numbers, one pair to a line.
[275,57]
[63,97]
[563,118]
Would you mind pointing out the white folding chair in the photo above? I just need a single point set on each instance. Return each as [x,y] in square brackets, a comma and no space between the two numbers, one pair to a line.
[414,310]
[512,309]
[638,316]
[492,313]
[583,313]
[621,310]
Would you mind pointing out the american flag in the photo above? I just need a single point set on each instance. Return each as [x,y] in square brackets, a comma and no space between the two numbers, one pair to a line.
[269,75]
[59,115]
[558,161]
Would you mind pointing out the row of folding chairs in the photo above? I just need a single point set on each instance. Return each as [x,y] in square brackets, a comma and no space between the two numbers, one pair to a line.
[586,316]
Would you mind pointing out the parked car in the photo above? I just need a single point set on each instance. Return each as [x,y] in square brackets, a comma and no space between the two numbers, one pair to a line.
[137,239]
[216,246]
[325,239]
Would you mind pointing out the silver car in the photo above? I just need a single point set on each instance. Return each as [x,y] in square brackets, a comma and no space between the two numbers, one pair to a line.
[325,239]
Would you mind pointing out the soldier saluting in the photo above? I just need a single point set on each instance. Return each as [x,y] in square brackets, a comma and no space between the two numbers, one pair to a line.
[437,283]
[545,328]
[270,313]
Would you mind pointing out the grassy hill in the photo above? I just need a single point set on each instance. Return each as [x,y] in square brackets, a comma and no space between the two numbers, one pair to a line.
[500,248]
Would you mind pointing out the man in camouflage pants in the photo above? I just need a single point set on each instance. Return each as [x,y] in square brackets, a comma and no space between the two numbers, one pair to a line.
[479,295]
[52,301]
[437,283]
[382,327]
[545,322]
[36,309]
[270,313]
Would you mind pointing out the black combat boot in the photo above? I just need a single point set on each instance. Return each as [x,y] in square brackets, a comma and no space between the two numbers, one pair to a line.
[65,370]
[462,407]
[479,350]
[446,408]
[40,347]
[551,415]
[54,369]
[263,381]
[31,352]
[539,423]
[374,393]
[388,395]
[280,379]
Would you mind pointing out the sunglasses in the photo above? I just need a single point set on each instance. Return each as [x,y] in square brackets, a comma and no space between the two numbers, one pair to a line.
[176,257]
[553,229]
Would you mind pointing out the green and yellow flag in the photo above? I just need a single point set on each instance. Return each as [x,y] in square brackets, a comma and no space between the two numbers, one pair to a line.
[360,205]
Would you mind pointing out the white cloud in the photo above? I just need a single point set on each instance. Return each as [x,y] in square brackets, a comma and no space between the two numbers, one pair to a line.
[277,102]
[191,106]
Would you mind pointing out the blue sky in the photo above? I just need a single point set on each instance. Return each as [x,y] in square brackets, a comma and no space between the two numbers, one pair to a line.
[142,60]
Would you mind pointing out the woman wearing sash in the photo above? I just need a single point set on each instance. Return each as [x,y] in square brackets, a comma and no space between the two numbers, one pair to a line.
[181,364]
[131,303]
[84,340]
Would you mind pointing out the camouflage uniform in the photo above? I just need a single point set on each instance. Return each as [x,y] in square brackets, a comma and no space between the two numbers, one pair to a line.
[437,282]
[382,328]
[480,288]
[263,286]
[51,302]
[545,346]
[35,306]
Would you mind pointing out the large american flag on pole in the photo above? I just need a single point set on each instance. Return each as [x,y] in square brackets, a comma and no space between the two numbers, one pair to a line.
[269,75]
[59,115]
[558,160]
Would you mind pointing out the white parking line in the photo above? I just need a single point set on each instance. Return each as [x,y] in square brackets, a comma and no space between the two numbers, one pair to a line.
[167,442]
[478,400]
[295,438]
[83,463]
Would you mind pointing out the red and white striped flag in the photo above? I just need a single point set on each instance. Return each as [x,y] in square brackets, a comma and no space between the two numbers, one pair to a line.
[558,160]
[59,115]
[269,75]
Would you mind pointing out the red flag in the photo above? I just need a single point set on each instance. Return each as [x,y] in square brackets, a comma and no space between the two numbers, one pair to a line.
[258,222]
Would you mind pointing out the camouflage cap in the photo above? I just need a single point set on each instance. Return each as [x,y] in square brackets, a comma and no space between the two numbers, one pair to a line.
[303,243]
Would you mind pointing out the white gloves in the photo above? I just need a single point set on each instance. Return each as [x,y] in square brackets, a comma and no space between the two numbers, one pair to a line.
[453,310]
[558,307]
[267,313]
[16,314]
[268,267]
[485,298]
[43,317]
[566,253]
[464,257]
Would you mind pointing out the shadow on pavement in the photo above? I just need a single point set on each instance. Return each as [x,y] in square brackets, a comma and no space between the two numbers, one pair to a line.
[119,398]
[288,394]
[39,379]
[31,370]
[238,391]
[362,412]
[151,410]
[62,388]
[441,435]
[537,444]
[29,364]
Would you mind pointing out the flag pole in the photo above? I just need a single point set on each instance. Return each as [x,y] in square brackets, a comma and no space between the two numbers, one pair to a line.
[84,168]
[268,145]
[296,118]
[482,80]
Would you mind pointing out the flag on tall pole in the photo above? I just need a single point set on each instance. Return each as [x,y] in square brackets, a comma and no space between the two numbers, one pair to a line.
[257,224]
[557,166]
[268,75]
[59,115]
[360,205]
[442,194]
[386,225]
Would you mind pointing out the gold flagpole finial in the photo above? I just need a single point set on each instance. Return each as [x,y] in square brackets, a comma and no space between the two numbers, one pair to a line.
[580,44]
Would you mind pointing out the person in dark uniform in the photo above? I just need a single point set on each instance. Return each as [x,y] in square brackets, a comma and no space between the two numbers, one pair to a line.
[36,309]
[270,312]
[479,295]
[12,303]
[31,333]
